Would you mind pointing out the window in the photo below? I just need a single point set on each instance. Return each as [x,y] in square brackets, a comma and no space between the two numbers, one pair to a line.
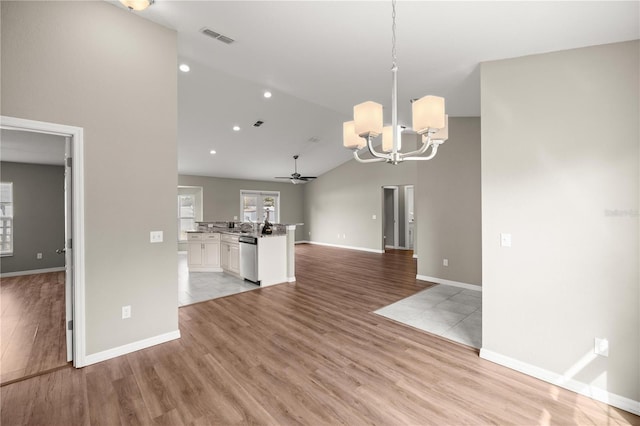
[256,206]
[189,210]
[6,219]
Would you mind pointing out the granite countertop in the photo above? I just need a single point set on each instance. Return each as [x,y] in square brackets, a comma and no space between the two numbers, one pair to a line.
[238,233]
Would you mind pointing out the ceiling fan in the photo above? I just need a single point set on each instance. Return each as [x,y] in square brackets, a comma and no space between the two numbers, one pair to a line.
[296,177]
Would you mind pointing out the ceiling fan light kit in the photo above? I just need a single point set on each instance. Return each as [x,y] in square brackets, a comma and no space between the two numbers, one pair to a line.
[137,5]
[429,121]
[296,177]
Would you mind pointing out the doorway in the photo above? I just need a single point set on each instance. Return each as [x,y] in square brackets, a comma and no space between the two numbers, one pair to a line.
[390,215]
[71,246]
[398,217]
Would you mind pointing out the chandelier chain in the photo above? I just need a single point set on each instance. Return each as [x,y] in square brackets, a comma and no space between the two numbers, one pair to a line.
[393,35]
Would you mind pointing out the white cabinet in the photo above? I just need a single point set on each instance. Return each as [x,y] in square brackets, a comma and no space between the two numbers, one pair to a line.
[230,254]
[203,252]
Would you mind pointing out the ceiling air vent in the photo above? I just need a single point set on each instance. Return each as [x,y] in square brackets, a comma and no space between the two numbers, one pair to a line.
[258,123]
[217,36]
[314,139]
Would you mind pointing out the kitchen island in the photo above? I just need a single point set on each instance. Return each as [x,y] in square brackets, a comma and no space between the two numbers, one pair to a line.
[242,251]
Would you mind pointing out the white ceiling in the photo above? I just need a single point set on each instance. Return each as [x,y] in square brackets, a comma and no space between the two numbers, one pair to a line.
[30,147]
[319,58]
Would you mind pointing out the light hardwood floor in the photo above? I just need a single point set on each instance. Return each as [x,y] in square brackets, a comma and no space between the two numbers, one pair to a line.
[310,352]
[33,332]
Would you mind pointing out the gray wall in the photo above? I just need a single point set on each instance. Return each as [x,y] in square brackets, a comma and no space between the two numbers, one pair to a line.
[102,68]
[343,200]
[221,198]
[447,203]
[38,224]
[560,173]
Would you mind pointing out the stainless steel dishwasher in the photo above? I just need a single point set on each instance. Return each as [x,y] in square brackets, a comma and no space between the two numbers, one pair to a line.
[249,258]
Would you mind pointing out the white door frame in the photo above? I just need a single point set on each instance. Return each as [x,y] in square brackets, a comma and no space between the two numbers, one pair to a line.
[77,196]
[396,213]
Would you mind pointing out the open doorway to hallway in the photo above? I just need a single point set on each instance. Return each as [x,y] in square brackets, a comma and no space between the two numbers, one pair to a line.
[398,217]
[35,297]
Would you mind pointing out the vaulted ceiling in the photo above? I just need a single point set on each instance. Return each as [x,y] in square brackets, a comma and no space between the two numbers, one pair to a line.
[319,58]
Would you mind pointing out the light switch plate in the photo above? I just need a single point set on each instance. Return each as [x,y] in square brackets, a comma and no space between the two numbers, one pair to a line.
[373,217]
[155,236]
[601,347]
[505,240]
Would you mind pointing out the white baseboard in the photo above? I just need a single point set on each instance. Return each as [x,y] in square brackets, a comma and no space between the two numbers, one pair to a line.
[291,279]
[449,282]
[130,347]
[301,242]
[592,392]
[346,247]
[415,255]
[32,272]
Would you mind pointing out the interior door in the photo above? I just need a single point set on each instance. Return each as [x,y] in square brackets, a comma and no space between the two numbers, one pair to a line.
[68,245]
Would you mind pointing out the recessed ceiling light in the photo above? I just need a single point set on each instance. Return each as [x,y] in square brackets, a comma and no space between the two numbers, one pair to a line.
[267,94]
[236,128]
[213,151]
[184,68]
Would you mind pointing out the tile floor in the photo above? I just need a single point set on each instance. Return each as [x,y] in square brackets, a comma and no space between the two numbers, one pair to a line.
[194,287]
[450,312]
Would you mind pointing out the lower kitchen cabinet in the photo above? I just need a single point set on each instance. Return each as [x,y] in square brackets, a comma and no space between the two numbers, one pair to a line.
[230,254]
[203,253]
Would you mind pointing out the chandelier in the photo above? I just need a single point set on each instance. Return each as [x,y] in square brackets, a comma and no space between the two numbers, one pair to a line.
[429,121]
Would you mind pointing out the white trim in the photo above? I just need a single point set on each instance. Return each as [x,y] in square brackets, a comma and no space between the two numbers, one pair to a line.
[415,256]
[32,272]
[449,282]
[291,279]
[593,392]
[302,242]
[77,135]
[346,247]
[131,347]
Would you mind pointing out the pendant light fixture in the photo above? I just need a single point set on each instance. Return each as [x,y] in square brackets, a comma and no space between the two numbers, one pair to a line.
[429,121]
[137,5]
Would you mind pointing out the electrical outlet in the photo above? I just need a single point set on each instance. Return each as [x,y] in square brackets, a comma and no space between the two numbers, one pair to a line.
[505,240]
[373,216]
[445,262]
[601,347]
[126,312]
[155,236]
[209,225]
[235,218]
[344,236]
[38,256]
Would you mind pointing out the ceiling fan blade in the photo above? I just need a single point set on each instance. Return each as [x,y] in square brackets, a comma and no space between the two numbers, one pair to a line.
[307,177]
[282,177]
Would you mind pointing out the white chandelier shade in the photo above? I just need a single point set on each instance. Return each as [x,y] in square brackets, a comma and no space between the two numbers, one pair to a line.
[429,120]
